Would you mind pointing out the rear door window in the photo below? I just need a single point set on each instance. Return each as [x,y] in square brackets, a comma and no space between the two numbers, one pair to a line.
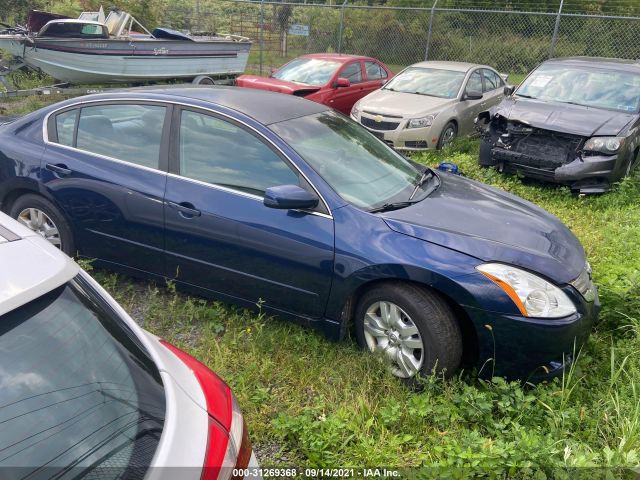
[78,392]
[374,71]
[132,133]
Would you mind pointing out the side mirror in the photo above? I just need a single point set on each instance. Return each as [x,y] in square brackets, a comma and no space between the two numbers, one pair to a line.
[289,197]
[508,90]
[472,96]
[343,82]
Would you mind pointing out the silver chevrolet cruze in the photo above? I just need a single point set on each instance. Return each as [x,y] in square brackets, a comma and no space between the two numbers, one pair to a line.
[429,104]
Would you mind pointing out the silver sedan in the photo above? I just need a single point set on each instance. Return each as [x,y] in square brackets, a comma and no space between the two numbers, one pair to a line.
[429,104]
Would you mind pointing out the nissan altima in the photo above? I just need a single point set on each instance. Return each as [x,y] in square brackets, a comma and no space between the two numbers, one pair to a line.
[256,197]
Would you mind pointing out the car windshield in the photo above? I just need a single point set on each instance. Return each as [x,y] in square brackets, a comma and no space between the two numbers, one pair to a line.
[599,88]
[433,82]
[359,167]
[78,393]
[312,71]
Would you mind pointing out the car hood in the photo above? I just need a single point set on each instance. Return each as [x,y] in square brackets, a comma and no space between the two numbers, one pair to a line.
[400,104]
[275,85]
[492,225]
[565,118]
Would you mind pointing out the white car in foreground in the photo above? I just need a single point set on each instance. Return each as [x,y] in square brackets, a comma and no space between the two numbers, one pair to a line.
[84,391]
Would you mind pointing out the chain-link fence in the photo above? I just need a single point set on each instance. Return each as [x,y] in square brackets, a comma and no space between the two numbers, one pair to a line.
[511,41]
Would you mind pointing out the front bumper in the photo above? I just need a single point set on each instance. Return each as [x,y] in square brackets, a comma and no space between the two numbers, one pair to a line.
[403,139]
[518,347]
[594,171]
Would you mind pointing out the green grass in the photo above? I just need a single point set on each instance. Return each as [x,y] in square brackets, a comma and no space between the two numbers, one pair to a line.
[311,402]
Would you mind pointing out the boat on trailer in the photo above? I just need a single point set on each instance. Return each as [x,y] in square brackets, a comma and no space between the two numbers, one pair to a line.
[118,49]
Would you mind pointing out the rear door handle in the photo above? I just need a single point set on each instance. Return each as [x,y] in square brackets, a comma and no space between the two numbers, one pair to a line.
[59,168]
[185,209]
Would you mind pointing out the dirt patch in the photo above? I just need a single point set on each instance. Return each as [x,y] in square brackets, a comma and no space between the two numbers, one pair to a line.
[7,106]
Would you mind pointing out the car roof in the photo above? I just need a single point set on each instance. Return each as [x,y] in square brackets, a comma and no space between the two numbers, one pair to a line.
[31,266]
[615,63]
[264,106]
[337,57]
[455,66]
[74,20]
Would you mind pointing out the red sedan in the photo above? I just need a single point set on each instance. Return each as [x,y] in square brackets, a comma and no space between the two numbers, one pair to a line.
[337,81]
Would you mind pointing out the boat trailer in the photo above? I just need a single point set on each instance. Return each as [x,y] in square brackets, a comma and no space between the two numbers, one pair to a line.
[7,68]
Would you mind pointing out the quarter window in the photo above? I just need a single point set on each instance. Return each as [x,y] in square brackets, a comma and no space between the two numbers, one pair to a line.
[375,71]
[221,153]
[132,133]
[65,124]
[352,72]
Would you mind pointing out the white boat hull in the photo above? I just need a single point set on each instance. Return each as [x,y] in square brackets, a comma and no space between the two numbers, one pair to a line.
[119,61]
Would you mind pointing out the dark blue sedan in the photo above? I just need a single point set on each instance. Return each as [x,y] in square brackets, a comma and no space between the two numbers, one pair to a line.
[252,196]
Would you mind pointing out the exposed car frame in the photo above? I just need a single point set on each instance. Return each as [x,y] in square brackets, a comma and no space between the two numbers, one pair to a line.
[549,140]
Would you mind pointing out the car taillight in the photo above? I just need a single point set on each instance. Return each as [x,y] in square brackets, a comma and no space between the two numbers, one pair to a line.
[228,444]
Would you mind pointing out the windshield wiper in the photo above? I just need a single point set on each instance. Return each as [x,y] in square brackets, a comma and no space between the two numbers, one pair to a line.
[391,206]
[523,95]
[427,174]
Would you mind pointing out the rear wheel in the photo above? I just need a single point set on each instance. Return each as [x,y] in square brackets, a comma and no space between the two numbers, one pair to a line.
[448,135]
[41,216]
[412,328]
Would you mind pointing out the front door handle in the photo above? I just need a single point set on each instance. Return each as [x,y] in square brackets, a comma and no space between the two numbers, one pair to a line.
[59,168]
[185,209]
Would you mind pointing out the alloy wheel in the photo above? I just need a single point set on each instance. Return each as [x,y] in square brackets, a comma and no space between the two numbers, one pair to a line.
[448,135]
[38,221]
[389,330]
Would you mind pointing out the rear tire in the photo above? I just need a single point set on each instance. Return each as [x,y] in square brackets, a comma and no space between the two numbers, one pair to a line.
[40,215]
[413,328]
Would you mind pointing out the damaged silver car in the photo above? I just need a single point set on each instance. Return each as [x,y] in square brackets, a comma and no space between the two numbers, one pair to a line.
[573,121]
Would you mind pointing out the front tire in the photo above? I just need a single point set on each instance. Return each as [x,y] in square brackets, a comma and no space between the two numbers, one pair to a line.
[448,135]
[484,158]
[42,216]
[413,328]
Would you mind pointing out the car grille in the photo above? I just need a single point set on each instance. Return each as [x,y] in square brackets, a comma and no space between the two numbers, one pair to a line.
[416,144]
[547,150]
[383,125]
[584,284]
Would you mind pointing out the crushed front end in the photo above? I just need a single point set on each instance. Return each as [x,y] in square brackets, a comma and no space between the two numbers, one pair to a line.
[516,147]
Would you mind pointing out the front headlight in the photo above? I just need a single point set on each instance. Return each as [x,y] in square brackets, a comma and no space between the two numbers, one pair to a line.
[608,145]
[355,112]
[534,296]
[421,122]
